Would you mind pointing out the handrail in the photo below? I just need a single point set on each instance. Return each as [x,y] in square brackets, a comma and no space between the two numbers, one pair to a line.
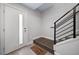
[67,13]
[68,23]
[64,29]
[72,15]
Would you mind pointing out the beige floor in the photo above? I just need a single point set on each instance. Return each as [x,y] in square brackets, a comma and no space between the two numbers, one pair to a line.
[25,51]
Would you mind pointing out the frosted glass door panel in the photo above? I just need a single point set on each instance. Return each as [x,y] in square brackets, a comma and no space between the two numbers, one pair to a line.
[20,29]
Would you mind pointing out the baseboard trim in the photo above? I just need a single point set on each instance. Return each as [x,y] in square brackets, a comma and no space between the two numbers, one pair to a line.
[57,53]
[30,42]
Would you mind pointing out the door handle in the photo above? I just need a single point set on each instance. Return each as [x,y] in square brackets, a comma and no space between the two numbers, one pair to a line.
[25,29]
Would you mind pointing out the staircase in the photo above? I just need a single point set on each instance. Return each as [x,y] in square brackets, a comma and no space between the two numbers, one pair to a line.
[65,26]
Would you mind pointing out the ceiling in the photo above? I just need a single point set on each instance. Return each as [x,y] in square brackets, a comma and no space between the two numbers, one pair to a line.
[38,6]
[33,5]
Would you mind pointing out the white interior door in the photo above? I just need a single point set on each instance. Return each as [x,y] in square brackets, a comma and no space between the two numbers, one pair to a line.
[16,31]
[11,29]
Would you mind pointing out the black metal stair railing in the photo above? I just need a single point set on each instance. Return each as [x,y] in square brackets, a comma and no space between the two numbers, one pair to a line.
[69,23]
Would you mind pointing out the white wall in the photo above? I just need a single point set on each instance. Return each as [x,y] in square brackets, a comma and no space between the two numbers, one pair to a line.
[0,29]
[51,15]
[77,22]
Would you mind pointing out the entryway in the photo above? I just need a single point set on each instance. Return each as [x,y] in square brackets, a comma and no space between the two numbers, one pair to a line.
[16,33]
